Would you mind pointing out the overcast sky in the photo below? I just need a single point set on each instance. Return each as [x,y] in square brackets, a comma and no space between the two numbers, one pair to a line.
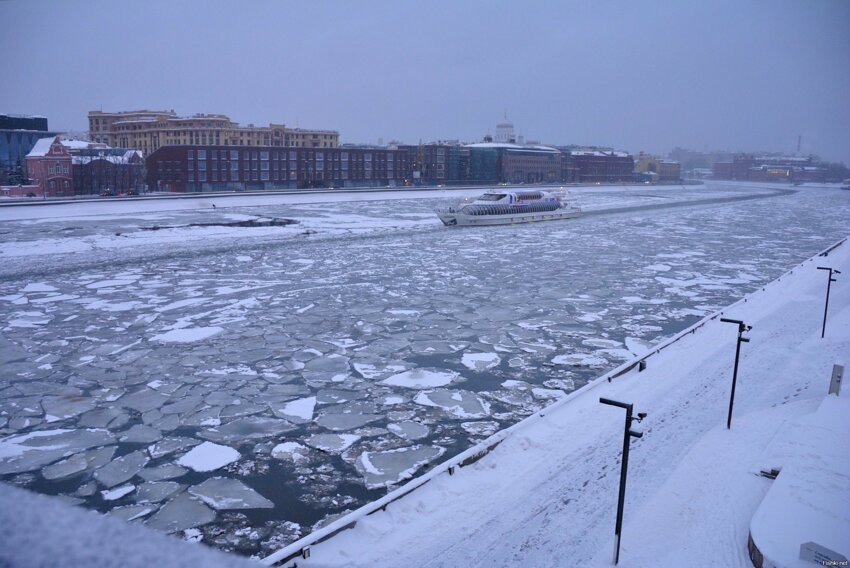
[647,75]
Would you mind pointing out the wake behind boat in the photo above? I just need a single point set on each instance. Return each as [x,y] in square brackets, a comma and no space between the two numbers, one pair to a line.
[509,207]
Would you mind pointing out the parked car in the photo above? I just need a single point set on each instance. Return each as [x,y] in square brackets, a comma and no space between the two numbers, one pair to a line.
[107,193]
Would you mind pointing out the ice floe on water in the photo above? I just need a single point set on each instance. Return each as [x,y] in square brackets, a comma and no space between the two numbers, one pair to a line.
[480,361]
[181,513]
[332,443]
[222,493]
[121,469]
[208,457]
[409,430]
[483,428]
[421,379]
[580,360]
[297,411]
[383,468]
[455,403]
[293,451]
[187,335]
[34,450]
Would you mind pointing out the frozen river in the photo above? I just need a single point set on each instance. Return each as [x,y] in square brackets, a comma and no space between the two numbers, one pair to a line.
[241,384]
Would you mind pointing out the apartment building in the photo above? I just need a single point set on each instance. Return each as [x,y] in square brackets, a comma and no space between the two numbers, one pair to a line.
[231,168]
[150,130]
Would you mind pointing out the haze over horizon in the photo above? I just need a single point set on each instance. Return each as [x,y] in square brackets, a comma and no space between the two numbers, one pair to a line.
[651,76]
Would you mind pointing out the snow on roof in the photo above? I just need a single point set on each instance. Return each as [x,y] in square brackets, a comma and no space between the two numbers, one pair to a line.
[616,153]
[509,146]
[43,146]
[135,120]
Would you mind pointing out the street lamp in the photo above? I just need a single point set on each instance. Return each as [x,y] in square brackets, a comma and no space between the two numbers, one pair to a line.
[628,433]
[742,327]
[826,306]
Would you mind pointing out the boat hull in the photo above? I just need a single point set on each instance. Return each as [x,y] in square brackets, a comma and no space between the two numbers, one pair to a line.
[453,218]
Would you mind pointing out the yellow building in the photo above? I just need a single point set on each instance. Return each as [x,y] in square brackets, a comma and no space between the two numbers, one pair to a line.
[148,130]
[666,170]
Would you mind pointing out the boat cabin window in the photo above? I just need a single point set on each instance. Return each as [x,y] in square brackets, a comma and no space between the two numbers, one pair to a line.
[527,196]
[492,197]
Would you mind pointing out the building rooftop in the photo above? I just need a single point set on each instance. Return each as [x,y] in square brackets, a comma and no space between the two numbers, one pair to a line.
[43,146]
[509,146]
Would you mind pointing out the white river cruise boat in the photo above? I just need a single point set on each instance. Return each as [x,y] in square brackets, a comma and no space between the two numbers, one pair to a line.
[508,207]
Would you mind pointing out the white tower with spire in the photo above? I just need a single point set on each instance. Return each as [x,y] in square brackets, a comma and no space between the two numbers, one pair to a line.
[505,131]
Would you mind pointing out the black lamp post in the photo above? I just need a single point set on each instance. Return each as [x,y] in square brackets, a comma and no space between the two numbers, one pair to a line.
[627,435]
[742,327]
[826,305]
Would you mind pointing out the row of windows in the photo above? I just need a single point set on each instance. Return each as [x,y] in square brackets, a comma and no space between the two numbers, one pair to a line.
[213,175]
[264,155]
[57,168]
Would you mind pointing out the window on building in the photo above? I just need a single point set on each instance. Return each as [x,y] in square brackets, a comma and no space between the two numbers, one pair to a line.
[202,176]
[202,166]
[234,154]
[264,166]
[293,156]
[265,176]
[202,154]
[234,175]
[367,156]
[191,154]
[264,155]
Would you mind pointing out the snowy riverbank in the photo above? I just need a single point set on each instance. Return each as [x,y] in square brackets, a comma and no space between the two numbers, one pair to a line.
[546,496]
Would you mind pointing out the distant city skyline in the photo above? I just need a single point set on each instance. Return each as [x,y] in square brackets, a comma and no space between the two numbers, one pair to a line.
[724,75]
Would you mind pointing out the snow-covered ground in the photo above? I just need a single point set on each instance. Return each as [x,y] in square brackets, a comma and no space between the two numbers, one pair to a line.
[546,496]
[322,363]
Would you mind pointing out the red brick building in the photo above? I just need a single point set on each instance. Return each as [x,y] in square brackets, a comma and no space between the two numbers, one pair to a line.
[49,167]
[64,168]
[771,168]
[230,168]
[601,166]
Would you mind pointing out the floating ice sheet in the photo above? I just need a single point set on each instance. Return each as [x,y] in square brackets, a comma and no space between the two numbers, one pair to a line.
[383,468]
[222,493]
[181,513]
[421,379]
[480,361]
[208,457]
[455,403]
